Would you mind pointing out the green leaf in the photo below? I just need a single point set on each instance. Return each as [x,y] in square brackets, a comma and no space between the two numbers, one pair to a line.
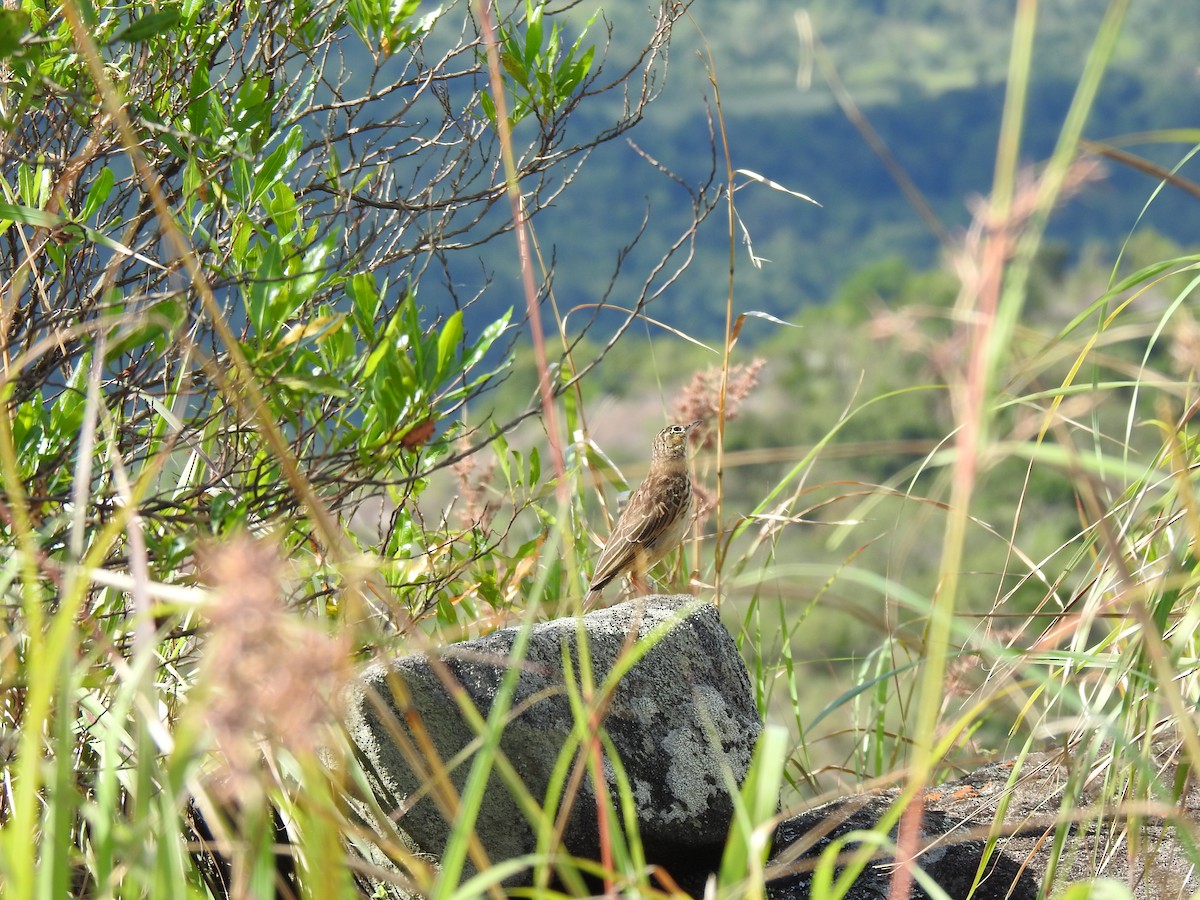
[283,157]
[172,144]
[514,65]
[399,32]
[33,185]
[148,26]
[489,107]
[13,25]
[38,218]
[364,294]
[144,332]
[413,334]
[387,343]
[755,807]
[309,273]
[448,342]
[28,426]
[1100,889]
[533,33]
[262,295]
[574,74]
[98,193]
[241,186]
[252,110]
[280,203]
[325,385]
[198,102]
[337,343]
[535,466]
[484,344]
[500,451]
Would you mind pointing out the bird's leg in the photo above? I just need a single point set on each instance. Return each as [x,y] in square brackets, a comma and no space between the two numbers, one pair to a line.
[637,578]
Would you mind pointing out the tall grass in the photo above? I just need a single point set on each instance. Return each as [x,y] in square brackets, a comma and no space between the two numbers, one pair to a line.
[154,743]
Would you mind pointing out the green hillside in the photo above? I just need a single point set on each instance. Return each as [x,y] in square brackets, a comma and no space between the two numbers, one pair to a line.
[931,79]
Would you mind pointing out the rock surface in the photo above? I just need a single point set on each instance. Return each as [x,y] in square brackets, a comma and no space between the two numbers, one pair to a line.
[958,820]
[683,724]
[682,720]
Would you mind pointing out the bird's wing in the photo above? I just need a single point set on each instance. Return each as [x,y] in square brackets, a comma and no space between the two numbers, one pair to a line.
[642,521]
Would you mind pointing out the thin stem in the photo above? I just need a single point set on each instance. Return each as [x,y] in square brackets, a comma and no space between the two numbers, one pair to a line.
[513,188]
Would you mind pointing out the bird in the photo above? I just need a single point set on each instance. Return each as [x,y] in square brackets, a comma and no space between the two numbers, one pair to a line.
[656,517]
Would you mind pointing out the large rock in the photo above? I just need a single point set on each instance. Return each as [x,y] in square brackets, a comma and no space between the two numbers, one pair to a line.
[1056,830]
[682,721]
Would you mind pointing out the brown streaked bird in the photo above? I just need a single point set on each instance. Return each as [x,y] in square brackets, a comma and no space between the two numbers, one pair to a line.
[656,517]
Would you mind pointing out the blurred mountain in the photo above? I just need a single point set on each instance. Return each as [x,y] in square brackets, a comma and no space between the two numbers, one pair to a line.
[931,78]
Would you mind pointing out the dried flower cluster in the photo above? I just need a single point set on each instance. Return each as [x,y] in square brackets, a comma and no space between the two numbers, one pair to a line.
[900,325]
[1185,346]
[700,398]
[991,240]
[964,672]
[706,501]
[476,509]
[268,676]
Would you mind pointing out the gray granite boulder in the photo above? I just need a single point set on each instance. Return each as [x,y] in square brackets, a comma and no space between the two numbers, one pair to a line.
[682,721]
[1056,830]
